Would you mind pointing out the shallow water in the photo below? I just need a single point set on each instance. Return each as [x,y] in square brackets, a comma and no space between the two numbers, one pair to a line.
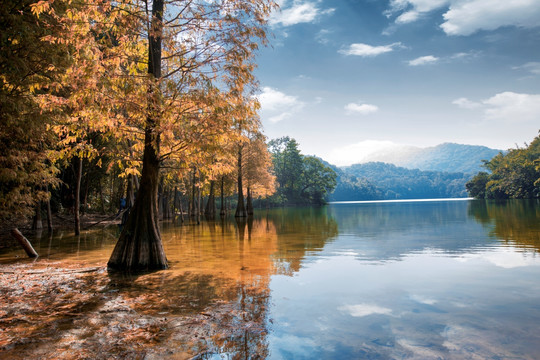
[400,280]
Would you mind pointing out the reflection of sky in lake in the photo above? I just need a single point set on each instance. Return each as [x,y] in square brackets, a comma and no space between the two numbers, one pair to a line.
[409,280]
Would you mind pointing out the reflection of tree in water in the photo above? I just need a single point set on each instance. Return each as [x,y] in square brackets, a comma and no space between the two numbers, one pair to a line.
[230,315]
[213,300]
[299,231]
[514,221]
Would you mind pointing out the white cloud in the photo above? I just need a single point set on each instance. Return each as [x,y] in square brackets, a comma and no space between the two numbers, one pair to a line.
[510,106]
[362,109]
[467,17]
[362,310]
[366,50]
[532,67]
[424,60]
[278,105]
[420,6]
[299,12]
[506,106]
[272,99]
[408,17]
[465,103]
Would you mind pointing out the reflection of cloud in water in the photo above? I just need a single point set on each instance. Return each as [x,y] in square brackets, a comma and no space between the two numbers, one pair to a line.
[361,310]
[292,344]
[505,257]
[423,300]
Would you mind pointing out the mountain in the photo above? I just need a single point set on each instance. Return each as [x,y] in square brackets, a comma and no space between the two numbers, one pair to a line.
[381,181]
[447,157]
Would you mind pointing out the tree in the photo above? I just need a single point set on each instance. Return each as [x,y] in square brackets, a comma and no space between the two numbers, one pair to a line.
[205,44]
[301,179]
[477,185]
[515,174]
[318,180]
[29,67]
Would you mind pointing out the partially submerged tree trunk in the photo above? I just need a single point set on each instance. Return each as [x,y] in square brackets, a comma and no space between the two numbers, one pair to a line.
[210,210]
[78,196]
[222,205]
[240,207]
[249,203]
[139,247]
[24,243]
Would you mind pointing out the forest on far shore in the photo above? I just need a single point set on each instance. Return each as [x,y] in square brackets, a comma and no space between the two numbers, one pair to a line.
[513,175]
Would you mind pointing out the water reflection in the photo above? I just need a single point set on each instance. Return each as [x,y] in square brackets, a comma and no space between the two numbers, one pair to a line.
[515,222]
[382,281]
[413,280]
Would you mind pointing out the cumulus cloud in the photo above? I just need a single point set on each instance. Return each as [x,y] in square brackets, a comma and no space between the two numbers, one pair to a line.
[467,17]
[424,60]
[362,109]
[506,106]
[366,50]
[298,12]
[279,105]
[512,106]
[465,103]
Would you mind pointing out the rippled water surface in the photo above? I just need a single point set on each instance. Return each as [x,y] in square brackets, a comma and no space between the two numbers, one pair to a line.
[421,280]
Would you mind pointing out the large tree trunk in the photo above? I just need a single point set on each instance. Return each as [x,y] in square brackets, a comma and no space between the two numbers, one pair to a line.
[139,247]
[78,196]
[240,207]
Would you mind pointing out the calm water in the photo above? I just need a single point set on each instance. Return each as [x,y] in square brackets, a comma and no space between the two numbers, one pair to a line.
[401,280]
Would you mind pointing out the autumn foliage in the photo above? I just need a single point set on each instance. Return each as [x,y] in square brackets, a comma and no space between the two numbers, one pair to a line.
[150,92]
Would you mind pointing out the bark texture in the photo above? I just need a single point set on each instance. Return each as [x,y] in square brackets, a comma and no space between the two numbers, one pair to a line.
[139,247]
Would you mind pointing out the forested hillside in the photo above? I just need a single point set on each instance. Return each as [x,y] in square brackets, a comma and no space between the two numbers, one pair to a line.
[380,181]
[447,157]
[514,175]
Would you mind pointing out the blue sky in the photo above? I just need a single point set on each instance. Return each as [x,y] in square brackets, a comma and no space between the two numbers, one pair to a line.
[347,77]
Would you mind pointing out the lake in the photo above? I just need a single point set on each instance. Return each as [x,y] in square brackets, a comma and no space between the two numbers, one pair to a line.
[376,280]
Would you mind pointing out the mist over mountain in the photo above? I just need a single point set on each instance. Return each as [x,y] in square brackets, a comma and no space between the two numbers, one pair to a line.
[410,172]
[447,157]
